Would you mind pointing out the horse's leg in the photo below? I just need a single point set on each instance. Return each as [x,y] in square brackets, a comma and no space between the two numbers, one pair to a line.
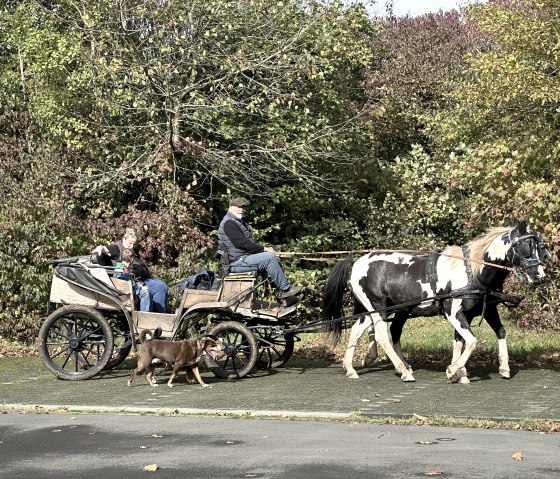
[492,317]
[355,334]
[396,329]
[457,318]
[371,354]
[458,345]
[382,337]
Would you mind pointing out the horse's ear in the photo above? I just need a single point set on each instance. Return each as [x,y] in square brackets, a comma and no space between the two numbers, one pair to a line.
[511,221]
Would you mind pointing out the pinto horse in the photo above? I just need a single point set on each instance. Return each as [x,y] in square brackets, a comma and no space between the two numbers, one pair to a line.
[455,283]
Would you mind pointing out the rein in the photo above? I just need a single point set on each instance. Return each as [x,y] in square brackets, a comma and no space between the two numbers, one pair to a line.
[416,252]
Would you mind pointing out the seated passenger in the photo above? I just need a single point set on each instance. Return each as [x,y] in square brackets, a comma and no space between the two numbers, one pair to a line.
[138,272]
[111,254]
[245,255]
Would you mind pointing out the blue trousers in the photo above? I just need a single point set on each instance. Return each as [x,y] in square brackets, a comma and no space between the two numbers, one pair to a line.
[265,261]
[145,298]
[158,292]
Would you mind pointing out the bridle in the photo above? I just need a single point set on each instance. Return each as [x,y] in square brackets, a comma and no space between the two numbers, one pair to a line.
[521,261]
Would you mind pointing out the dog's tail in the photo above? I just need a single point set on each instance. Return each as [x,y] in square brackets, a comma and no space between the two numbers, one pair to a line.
[147,335]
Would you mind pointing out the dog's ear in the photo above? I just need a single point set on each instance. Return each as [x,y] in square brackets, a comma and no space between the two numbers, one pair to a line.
[202,342]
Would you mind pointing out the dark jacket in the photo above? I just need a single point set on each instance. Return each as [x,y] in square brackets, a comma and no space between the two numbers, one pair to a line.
[138,268]
[237,238]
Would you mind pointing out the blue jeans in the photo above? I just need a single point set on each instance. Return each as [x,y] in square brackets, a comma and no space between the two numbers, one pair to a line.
[158,292]
[145,298]
[268,262]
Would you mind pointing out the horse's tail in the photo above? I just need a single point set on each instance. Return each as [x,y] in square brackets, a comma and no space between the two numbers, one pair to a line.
[333,297]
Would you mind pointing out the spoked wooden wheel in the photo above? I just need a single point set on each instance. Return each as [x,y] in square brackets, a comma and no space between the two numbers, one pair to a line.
[274,350]
[239,354]
[75,342]
[122,341]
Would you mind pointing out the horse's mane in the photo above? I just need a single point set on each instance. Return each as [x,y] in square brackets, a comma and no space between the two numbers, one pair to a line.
[479,246]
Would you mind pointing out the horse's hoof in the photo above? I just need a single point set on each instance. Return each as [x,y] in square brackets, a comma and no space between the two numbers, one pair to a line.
[352,375]
[451,373]
[407,377]
[464,380]
[505,373]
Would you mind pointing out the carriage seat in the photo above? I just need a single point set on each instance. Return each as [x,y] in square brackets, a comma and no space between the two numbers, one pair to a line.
[223,258]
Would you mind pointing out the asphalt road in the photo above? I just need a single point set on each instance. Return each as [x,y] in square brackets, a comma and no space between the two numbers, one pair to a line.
[59,446]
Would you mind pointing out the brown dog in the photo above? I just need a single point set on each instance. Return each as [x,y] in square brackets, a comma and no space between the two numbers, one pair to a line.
[187,352]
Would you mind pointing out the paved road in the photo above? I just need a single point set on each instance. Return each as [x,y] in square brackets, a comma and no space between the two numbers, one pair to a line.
[53,446]
[301,388]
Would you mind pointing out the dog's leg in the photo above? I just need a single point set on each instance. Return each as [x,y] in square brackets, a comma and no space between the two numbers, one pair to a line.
[198,378]
[190,376]
[176,368]
[140,366]
[150,376]
[133,373]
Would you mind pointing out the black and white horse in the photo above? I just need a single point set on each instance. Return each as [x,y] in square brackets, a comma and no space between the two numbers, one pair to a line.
[410,281]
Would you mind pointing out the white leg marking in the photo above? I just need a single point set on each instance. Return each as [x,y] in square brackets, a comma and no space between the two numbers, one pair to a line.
[400,354]
[355,334]
[503,357]
[470,341]
[383,340]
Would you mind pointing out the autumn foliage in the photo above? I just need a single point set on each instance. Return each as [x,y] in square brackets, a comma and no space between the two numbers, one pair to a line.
[344,131]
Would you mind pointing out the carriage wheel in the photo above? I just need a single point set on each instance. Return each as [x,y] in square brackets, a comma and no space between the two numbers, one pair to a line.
[75,342]
[239,355]
[274,350]
[122,341]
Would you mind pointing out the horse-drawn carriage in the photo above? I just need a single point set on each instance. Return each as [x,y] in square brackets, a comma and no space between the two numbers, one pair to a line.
[97,324]
[94,324]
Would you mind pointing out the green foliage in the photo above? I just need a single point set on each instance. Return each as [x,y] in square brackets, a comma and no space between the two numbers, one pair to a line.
[421,211]
[345,132]
[501,134]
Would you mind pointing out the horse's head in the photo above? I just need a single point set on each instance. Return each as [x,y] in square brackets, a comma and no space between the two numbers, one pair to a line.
[528,251]
[544,253]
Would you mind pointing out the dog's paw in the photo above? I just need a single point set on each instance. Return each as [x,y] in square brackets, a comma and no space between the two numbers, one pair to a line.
[204,385]
[129,384]
[154,385]
[170,385]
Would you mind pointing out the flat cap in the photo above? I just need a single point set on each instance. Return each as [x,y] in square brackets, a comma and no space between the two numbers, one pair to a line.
[239,202]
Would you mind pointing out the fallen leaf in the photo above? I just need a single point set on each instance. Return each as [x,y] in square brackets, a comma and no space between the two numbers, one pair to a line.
[156,435]
[433,472]
[517,456]
[396,401]
[151,467]
[142,447]
[365,400]
[56,430]
[375,395]
[230,442]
